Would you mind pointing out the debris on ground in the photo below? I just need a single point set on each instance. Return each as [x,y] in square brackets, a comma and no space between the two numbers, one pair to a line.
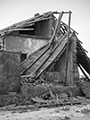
[85,111]
[43,73]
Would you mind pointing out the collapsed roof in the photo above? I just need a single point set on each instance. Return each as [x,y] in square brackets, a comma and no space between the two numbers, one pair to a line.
[26,23]
[45,58]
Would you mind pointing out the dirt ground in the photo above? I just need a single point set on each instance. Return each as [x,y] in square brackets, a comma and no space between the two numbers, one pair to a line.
[75,112]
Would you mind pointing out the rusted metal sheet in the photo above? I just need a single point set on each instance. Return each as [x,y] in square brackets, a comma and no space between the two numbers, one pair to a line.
[32,58]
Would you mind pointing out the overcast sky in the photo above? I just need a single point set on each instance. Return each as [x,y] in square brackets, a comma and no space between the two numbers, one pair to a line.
[13,11]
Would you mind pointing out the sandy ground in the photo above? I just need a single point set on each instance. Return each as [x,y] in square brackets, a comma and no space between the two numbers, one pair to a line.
[79,112]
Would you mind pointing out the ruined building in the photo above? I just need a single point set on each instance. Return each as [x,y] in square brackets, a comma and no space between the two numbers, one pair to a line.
[43,47]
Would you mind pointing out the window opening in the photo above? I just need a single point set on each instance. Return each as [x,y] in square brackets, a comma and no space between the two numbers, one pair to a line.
[23,57]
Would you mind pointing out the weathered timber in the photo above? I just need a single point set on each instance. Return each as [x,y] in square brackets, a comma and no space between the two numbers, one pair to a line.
[53,104]
[56,27]
[67,27]
[18,29]
[47,58]
[83,72]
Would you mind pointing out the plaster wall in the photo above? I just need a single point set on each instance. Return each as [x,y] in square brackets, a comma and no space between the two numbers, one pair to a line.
[9,72]
[23,44]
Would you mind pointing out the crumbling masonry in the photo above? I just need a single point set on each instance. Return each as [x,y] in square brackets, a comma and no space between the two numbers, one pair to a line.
[42,55]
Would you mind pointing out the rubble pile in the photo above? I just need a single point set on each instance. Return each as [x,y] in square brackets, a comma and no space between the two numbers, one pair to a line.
[39,89]
[85,87]
[43,94]
[49,94]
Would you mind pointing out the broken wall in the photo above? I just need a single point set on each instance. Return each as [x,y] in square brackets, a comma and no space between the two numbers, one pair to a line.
[25,42]
[9,72]
[72,68]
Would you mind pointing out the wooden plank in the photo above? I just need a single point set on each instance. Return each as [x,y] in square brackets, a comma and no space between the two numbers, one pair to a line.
[38,63]
[56,27]
[83,72]
[23,29]
[36,68]
[31,58]
[53,56]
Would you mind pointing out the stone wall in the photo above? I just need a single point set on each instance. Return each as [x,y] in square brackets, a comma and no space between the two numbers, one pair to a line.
[9,72]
